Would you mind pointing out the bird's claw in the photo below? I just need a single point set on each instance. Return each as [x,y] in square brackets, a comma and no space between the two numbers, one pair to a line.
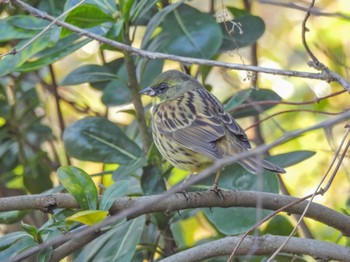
[218,192]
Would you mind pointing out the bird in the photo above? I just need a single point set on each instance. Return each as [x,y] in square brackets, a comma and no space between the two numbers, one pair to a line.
[192,129]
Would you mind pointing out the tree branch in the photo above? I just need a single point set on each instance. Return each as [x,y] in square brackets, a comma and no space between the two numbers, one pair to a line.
[263,245]
[134,210]
[176,202]
[326,75]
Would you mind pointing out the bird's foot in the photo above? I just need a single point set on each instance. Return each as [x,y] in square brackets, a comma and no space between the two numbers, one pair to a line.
[218,192]
[185,194]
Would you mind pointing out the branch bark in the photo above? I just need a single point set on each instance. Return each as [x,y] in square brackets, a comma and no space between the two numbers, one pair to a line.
[134,210]
[326,75]
[263,245]
[176,202]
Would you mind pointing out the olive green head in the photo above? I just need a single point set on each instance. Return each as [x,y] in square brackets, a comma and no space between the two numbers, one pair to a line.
[170,85]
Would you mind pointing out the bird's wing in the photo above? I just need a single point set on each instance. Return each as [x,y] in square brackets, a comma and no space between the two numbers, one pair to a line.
[216,108]
[197,121]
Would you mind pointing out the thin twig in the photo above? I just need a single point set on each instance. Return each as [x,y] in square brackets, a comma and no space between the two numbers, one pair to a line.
[314,11]
[326,75]
[54,22]
[266,244]
[317,190]
[276,102]
[315,63]
[293,111]
[192,180]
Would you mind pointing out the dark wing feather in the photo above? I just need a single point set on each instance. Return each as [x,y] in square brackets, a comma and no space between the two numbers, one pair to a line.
[215,107]
[197,120]
[184,121]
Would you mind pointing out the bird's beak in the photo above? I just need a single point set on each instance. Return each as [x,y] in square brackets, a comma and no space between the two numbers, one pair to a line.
[148,92]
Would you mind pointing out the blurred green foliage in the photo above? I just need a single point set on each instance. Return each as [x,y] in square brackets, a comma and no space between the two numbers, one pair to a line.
[61,77]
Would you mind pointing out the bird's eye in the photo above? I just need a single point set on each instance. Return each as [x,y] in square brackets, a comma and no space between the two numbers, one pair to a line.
[162,88]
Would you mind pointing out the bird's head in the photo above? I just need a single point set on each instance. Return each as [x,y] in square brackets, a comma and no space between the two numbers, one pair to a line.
[170,85]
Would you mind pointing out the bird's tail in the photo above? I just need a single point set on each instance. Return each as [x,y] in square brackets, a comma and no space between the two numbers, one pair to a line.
[256,166]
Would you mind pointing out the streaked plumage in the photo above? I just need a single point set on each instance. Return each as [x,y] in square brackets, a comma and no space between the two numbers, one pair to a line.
[191,127]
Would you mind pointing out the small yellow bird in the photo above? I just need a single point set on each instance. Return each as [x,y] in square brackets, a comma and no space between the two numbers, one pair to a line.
[191,128]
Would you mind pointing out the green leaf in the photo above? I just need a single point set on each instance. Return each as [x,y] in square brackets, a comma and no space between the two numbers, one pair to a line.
[237,220]
[119,189]
[118,244]
[237,99]
[189,32]
[125,8]
[144,10]
[27,22]
[152,181]
[80,185]
[116,93]
[242,31]
[279,225]
[37,173]
[88,74]
[9,30]
[45,255]
[7,240]
[48,56]
[256,95]
[33,231]
[107,6]
[86,16]
[9,63]
[88,217]
[97,139]
[10,217]
[14,243]
[148,70]
[156,20]
[126,170]
[291,158]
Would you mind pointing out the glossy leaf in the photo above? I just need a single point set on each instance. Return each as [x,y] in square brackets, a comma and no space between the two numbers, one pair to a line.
[242,31]
[148,70]
[88,74]
[234,177]
[189,32]
[256,95]
[107,6]
[152,181]
[14,243]
[237,99]
[80,185]
[48,56]
[88,217]
[10,238]
[116,93]
[32,230]
[291,158]
[11,62]
[156,20]
[279,225]
[27,22]
[10,217]
[118,189]
[10,31]
[118,244]
[86,16]
[97,139]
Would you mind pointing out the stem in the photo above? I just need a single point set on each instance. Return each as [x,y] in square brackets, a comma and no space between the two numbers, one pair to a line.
[135,96]
[57,104]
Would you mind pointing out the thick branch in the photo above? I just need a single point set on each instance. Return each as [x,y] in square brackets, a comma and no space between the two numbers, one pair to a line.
[325,75]
[176,202]
[129,212]
[263,245]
